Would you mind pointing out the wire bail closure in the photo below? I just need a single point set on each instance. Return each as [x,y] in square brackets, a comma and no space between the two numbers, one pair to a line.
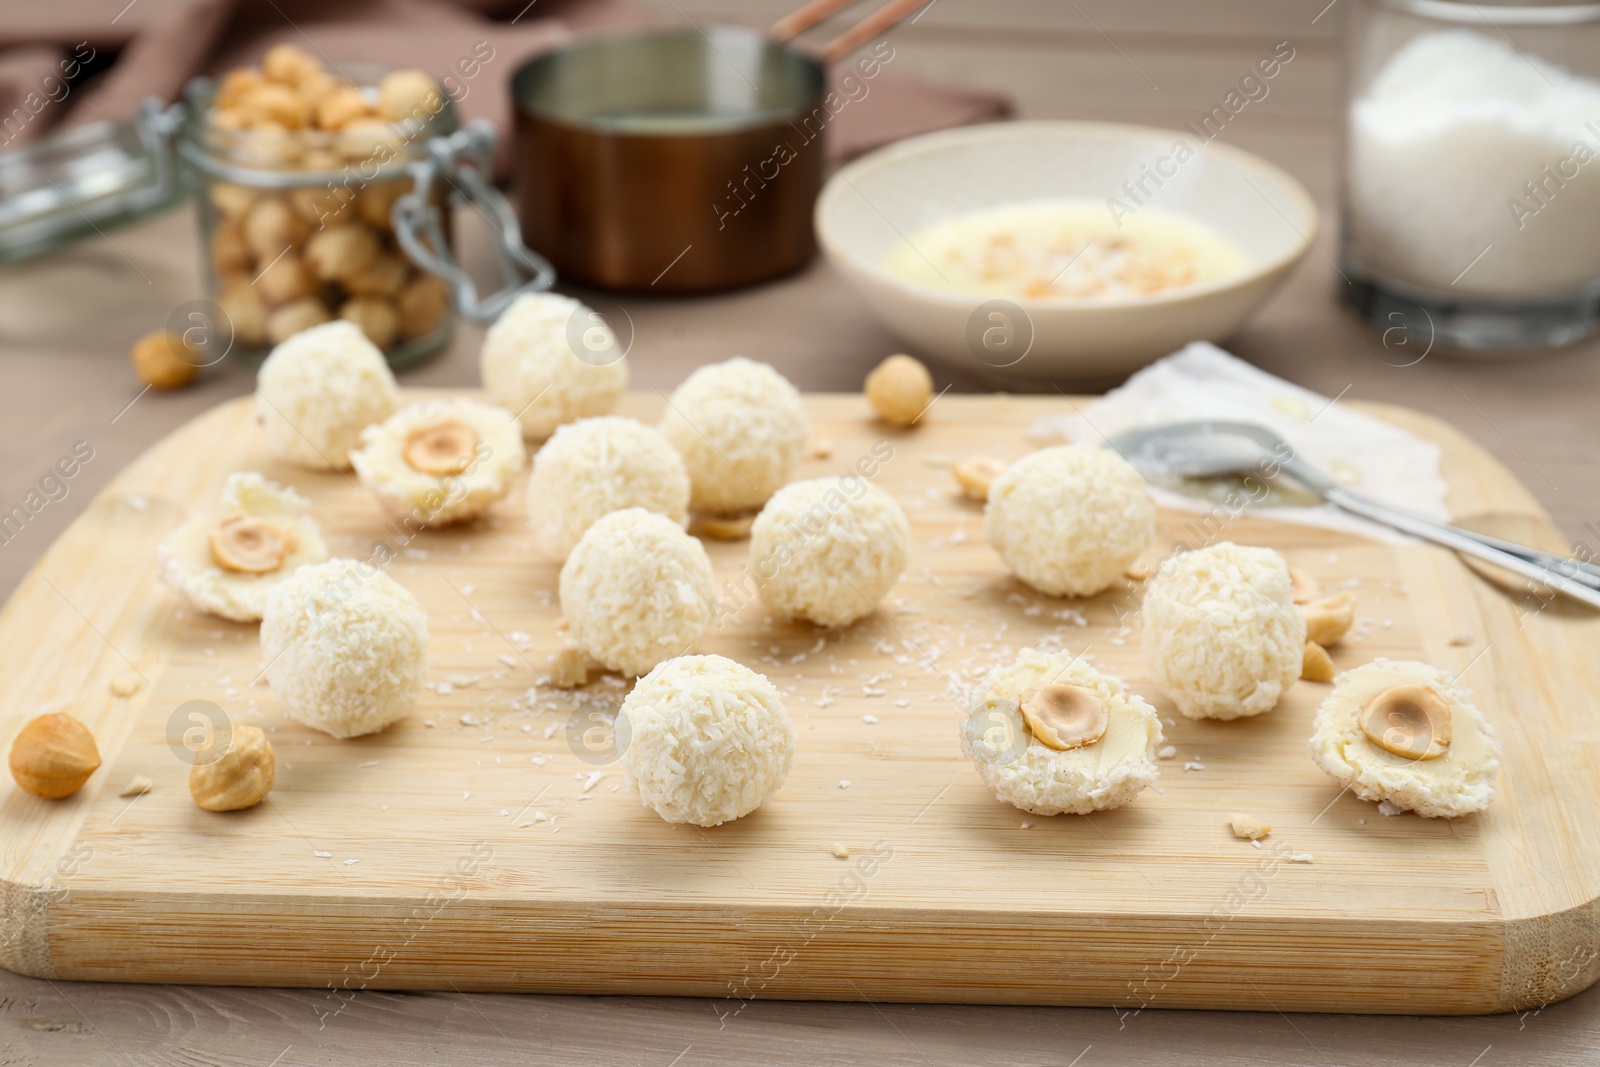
[462,159]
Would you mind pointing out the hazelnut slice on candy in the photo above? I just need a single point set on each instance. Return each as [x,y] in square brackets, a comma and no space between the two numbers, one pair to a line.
[446,448]
[248,544]
[1064,716]
[1409,720]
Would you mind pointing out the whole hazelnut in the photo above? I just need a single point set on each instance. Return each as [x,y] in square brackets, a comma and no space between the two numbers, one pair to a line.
[295,316]
[163,361]
[285,279]
[900,390]
[376,317]
[270,226]
[422,305]
[241,302]
[229,253]
[53,756]
[340,251]
[239,776]
[405,94]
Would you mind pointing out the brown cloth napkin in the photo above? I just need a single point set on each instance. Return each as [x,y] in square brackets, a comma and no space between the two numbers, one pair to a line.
[121,52]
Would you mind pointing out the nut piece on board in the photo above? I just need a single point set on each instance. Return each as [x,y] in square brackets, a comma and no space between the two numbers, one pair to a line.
[975,475]
[1248,827]
[1316,665]
[1330,617]
[53,756]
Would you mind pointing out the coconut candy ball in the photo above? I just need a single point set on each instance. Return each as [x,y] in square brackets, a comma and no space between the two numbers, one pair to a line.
[318,390]
[1222,634]
[440,461]
[549,360]
[1052,735]
[345,646]
[227,563]
[740,427]
[828,549]
[1406,732]
[1068,520]
[593,467]
[707,740]
[636,590]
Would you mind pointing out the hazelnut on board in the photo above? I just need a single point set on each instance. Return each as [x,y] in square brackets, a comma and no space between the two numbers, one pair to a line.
[53,756]
[240,777]
[163,361]
[900,390]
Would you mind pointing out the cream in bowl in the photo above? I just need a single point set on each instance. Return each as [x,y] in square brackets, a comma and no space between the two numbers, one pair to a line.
[1062,251]
[1068,249]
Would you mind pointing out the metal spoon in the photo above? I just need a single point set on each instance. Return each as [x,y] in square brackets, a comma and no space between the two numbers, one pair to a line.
[1213,448]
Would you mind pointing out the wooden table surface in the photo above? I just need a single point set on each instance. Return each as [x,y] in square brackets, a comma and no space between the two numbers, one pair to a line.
[66,321]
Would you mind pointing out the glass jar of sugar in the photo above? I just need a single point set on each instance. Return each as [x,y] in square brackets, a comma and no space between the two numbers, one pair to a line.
[1472,172]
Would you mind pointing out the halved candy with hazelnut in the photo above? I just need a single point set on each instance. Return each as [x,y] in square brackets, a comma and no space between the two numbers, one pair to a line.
[1408,720]
[1064,716]
[248,544]
[444,448]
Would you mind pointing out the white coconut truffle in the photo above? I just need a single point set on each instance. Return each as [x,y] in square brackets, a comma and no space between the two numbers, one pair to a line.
[550,360]
[740,427]
[440,461]
[828,549]
[704,740]
[345,646]
[1068,520]
[593,467]
[1222,635]
[1458,782]
[1022,770]
[636,590]
[318,390]
[189,560]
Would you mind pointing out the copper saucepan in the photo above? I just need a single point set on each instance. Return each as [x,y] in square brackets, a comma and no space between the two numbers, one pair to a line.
[679,161]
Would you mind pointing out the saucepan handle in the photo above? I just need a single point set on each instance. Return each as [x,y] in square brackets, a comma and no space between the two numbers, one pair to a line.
[880,21]
[462,161]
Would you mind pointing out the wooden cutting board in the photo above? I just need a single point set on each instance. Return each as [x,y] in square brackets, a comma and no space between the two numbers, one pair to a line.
[482,844]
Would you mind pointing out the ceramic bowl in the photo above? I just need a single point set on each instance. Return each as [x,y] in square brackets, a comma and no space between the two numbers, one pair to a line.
[873,204]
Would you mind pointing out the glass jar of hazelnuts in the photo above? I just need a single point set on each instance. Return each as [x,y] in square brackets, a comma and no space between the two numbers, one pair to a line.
[326,192]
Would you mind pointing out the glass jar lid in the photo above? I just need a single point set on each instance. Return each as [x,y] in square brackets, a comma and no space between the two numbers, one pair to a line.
[85,180]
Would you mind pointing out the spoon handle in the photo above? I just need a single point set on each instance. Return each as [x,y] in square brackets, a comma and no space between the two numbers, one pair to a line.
[1558,575]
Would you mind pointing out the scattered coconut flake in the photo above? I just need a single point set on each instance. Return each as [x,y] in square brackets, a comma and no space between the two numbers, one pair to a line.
[1166,751]
[594,777]
[1387,808]
[1299,857]
[368,763]
[869,719]
[1194,765]
[351,863]
[321,855]
[844,783]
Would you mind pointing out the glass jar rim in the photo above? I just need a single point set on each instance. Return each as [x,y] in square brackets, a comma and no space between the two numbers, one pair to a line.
[236,155]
